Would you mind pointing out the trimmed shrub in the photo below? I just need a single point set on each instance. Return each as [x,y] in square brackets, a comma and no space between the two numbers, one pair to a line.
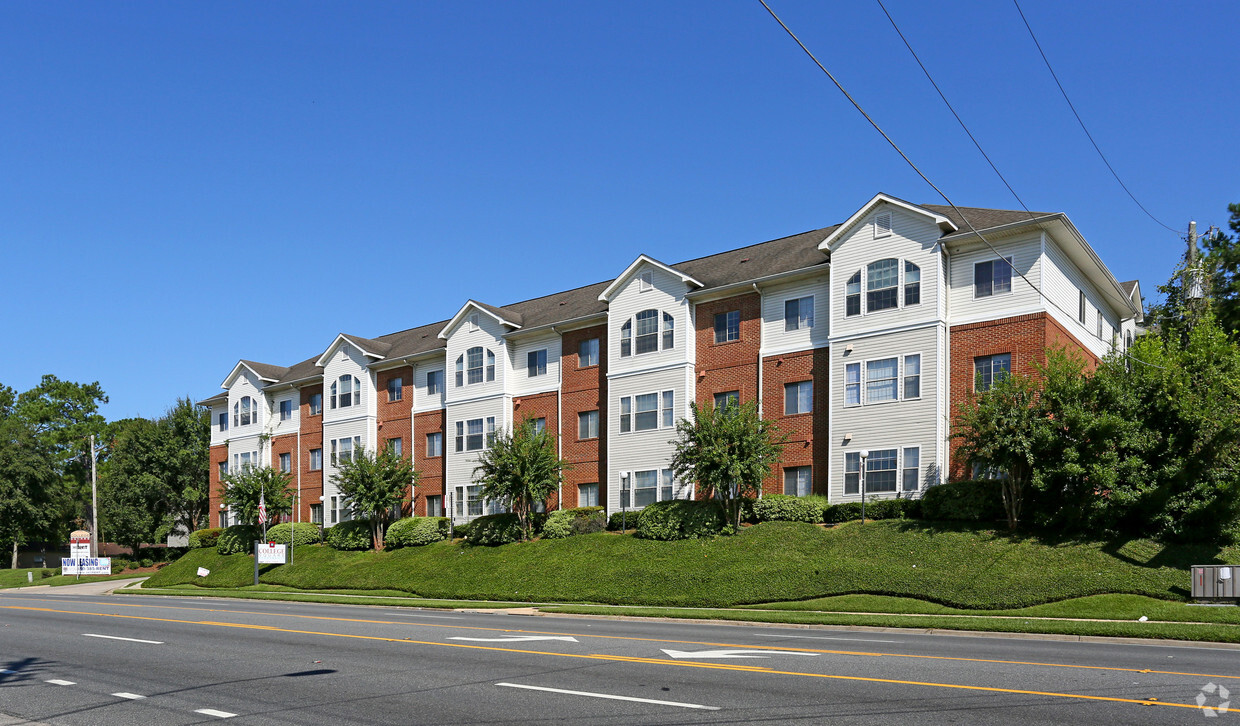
[303,533]
[48,572]
[351,535]
[204,537]
[845,512]
[238,539]
[461,530]
[495,529]
[874,509]
[568,522]
[415,532]
[786,508]
[616,518]
[680,519]
[967,501]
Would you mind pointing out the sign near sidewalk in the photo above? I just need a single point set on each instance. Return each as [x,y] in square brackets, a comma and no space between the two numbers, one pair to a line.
[79,545]
[271,554]
[86,565]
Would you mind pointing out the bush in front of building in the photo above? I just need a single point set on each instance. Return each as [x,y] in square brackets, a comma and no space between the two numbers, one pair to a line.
[618,520]
[966,501]
[351,535]
[787,508]
[680,519]
[238,539]
[494,529]
[874,509]
[568,522]
[302,533]
[204,537]
[415,532]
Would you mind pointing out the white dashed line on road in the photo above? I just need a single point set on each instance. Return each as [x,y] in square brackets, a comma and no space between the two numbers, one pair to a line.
[815,637]
[130,696]
[117,637]
[611,696]
[59,682]
[4,672]
[213,712]
[437,617]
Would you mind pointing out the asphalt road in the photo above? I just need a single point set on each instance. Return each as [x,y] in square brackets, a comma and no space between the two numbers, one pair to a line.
[99,659]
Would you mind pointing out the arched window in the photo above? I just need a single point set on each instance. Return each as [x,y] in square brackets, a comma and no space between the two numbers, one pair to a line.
[882,279]
[626,339]
[245,412]
[470,366]
[648,330]
[473,365]
[852,295]
[912,284]
[346,392]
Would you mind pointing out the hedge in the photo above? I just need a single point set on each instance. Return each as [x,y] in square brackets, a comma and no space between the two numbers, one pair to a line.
[238,539]
[204,537]
[680,519]
[306,533]
[415,532]
[966,501]
[874,509]
[786,508]
[351,535]
[567,522]
[627,518]
[494,529]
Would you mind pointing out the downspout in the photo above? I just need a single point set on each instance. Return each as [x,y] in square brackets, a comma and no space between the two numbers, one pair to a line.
[559,420]
[947,366]
[760,337]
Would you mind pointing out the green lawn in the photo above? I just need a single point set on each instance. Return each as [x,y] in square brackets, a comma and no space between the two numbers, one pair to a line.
[777,562]
[17,578]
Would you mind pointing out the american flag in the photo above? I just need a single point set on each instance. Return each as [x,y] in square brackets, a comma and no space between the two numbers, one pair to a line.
[262,509]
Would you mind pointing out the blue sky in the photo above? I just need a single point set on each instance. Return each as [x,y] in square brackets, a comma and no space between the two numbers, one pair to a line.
[187,184]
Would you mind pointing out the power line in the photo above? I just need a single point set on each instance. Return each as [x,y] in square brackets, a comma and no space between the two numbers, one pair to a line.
[915,168]
[953,110]
[1082,123]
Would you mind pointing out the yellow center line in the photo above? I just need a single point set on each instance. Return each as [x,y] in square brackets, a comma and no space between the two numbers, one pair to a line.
[646,661]
[868,654]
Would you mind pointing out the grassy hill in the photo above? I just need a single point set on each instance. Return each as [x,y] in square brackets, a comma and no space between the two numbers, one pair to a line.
[776,561]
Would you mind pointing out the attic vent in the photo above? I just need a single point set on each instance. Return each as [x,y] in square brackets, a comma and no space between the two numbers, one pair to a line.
[473,322]
[882,224]
[646,281]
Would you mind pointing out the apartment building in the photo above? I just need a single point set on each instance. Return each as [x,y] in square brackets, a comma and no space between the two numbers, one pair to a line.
[860,336]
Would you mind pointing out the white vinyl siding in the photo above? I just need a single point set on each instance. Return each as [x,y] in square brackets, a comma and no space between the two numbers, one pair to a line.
[778,307]
[1065,284]
[1005,300]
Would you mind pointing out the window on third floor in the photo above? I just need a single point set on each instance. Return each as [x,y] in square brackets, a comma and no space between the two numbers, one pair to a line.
[649,333]
[346,392]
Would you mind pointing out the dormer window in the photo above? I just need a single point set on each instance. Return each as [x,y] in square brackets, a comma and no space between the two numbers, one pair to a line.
[245,412]
[470,368]
[346,392]
[881,281]
[646,281]
[648,333]
[882,287]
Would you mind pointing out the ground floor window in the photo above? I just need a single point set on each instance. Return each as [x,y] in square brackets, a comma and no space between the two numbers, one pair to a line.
[883,472]
[335,510]
[880,471]
[316,513]
[587,495]
[646,487]
[223,519]
[911,467]
[798,481]
[434,506]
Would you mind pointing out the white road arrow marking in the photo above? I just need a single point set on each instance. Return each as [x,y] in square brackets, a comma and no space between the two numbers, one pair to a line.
[520,638]
[731,653]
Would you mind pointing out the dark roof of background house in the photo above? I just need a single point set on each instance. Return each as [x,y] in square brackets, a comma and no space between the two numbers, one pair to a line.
[266,370]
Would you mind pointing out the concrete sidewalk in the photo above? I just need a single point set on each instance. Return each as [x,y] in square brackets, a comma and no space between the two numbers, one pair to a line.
[98,587]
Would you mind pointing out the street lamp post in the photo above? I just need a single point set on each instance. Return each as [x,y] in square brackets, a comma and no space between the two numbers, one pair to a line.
[864,455]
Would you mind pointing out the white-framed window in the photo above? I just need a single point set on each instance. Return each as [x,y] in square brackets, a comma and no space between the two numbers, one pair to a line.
[798,397]
[882,224]
[434,505]
[647,331]
[536,362]
[587,425]
[540,425]
[799,313]
[316,404]
[910,473]
[881,380]
[223,518]
[245,412]
[587,495]
[316,459]
[852,384]
[316,513]
[852,295]
[344,449]
[912,284]
[626,339]
[396,388]
[223,421]
[434,382]
[346,392]
[642,412]
[852,472]
[1080,306]
[669,331]
[880,471]
[728,326]
[471,434]
[1100,326]
[727,399]
[434,444]
[335,509]
[645,281]
[912,376]
[223,469]
[798,481]
[473,364]
[286,462]
[396,446]
[286,409]
[587,353]
[650,486]
[882,283]
[992,277]
[990,369]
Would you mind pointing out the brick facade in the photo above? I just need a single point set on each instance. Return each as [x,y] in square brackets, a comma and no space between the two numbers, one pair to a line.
[807,436]
[730,365]
[311,438]
[430,469]
[215,495]
[394,419]
[584,389]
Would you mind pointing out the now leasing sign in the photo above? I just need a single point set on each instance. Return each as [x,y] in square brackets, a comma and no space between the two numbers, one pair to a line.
[86,566]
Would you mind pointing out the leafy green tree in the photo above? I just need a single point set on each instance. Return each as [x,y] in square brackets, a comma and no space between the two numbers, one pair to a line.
[133,491]
[1222,258]
[373,484]
[728,451]
[520,468]
[241,491]
[28,475]
[186,462]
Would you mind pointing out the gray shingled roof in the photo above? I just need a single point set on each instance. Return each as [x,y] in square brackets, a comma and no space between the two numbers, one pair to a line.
[1128,287]
[786,254]
[265,370]
[368,345]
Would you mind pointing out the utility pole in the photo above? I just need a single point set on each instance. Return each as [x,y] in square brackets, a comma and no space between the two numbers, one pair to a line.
[94,503]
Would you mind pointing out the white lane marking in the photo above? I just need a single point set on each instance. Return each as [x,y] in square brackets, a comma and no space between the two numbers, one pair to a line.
[420,615]
[519,638]
[731,653]
[7,672]
[59,682]
[130,696]
[117,637]
[610,696]
[213,712]
[814,637]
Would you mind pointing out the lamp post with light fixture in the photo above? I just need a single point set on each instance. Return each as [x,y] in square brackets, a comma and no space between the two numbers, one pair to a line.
[864,455]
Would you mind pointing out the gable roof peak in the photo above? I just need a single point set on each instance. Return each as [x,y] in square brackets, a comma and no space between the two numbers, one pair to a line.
[643,259]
